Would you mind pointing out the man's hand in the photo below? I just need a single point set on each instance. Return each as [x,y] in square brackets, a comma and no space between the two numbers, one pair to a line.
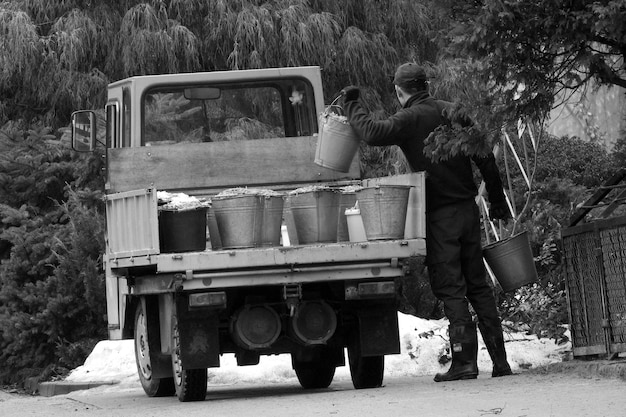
[350,93]
[499,211]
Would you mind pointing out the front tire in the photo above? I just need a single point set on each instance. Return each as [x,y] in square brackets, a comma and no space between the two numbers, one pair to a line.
[190,384]
[153,387]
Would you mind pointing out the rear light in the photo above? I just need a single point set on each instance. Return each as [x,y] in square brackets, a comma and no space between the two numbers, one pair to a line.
[378,289]
[208,299]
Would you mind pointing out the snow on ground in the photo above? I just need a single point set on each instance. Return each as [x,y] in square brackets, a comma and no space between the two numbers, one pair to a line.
[423,342]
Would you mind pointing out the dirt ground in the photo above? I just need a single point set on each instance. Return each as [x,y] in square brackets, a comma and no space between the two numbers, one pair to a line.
[564,390]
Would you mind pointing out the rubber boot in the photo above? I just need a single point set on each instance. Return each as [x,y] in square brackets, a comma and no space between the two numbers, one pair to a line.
[494,341]
[464,347]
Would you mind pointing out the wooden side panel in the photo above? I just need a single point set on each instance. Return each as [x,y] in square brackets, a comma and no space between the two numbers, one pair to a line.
[219,165]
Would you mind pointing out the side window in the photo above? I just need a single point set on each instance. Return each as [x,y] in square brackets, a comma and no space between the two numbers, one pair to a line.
[112,136]
[126,118]
[228,112]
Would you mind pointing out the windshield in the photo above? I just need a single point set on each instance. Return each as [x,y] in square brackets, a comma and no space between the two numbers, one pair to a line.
[225,112]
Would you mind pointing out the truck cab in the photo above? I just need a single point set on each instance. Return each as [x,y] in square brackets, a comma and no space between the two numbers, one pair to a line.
[199,134]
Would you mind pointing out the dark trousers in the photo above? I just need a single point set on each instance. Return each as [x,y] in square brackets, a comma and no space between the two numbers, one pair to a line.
[455,264]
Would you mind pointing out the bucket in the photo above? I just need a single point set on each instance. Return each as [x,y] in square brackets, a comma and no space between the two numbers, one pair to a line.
[346,200]
[239,220]
[272,220]
[337,144]
[315,215]
[182,230]
[511,261]
[383,210]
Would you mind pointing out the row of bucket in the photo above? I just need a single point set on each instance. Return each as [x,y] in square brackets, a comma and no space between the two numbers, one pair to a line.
[315,215]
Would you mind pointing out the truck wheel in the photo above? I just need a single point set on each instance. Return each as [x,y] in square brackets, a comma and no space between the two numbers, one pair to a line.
[154,387]
[315,374]
[366,371]
[190,384]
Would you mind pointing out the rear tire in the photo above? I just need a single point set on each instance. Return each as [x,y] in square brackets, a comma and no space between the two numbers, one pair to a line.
[153,387]
[366,371]
[315,374]
[190,384]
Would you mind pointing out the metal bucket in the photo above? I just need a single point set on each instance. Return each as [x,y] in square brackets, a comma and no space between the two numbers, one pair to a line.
[315,215]
[272,220]
[182,230]
[239,220]
[383,210]
[337,144]
[511,261]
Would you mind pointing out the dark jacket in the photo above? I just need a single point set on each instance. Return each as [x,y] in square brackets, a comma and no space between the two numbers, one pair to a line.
[447,182]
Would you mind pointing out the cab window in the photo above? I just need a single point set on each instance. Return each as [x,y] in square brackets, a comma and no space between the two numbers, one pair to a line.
[228,112]
[112,137]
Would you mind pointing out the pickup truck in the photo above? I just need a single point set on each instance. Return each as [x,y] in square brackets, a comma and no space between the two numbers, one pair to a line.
[199,134]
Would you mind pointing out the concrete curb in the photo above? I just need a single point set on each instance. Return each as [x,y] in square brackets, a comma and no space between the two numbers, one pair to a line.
[594,368]
[50,389]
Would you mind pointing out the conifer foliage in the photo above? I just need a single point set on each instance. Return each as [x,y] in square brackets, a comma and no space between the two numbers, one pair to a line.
[51,280]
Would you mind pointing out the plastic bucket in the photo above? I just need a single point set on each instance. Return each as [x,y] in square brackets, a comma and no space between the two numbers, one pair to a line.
[182,230]
[272,220]
[315,215]
[383,210]
[239,220]
[511,261]
[356,230]
[346,200]
[337,144]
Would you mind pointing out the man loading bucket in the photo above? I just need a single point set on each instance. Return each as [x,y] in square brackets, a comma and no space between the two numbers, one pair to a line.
[453,238]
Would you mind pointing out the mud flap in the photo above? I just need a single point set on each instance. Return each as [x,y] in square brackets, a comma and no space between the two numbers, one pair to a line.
[199,337]
[378,332]
[161,363]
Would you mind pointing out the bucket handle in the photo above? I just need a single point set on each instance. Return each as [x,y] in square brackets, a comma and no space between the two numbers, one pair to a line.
[332,104]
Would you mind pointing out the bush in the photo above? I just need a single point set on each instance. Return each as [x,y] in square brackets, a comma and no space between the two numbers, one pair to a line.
[52,282]
[568,169]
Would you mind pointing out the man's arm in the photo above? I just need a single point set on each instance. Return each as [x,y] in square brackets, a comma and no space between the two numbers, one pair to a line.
[493,183]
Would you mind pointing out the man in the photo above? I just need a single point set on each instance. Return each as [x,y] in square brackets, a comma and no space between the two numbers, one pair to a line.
[453,237]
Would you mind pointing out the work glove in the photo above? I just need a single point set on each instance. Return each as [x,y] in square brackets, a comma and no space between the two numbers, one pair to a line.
[499,211]
[350,93]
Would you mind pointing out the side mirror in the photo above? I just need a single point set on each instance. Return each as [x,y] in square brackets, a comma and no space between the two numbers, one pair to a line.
[84,131]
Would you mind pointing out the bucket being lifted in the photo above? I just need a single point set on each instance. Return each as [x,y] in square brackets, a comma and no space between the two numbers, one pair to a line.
[511,261]
[337,144]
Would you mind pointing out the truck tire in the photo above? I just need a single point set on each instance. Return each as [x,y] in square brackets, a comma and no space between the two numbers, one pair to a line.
[315,374]
[154,387]
[366,371]
[190,384]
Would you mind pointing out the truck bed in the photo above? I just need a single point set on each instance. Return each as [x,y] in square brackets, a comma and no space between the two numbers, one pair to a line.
[277,265]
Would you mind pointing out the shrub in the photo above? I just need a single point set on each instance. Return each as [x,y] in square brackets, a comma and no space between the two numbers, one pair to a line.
[51,278]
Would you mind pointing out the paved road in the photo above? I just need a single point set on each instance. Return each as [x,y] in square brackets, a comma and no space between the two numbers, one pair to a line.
[529,394]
